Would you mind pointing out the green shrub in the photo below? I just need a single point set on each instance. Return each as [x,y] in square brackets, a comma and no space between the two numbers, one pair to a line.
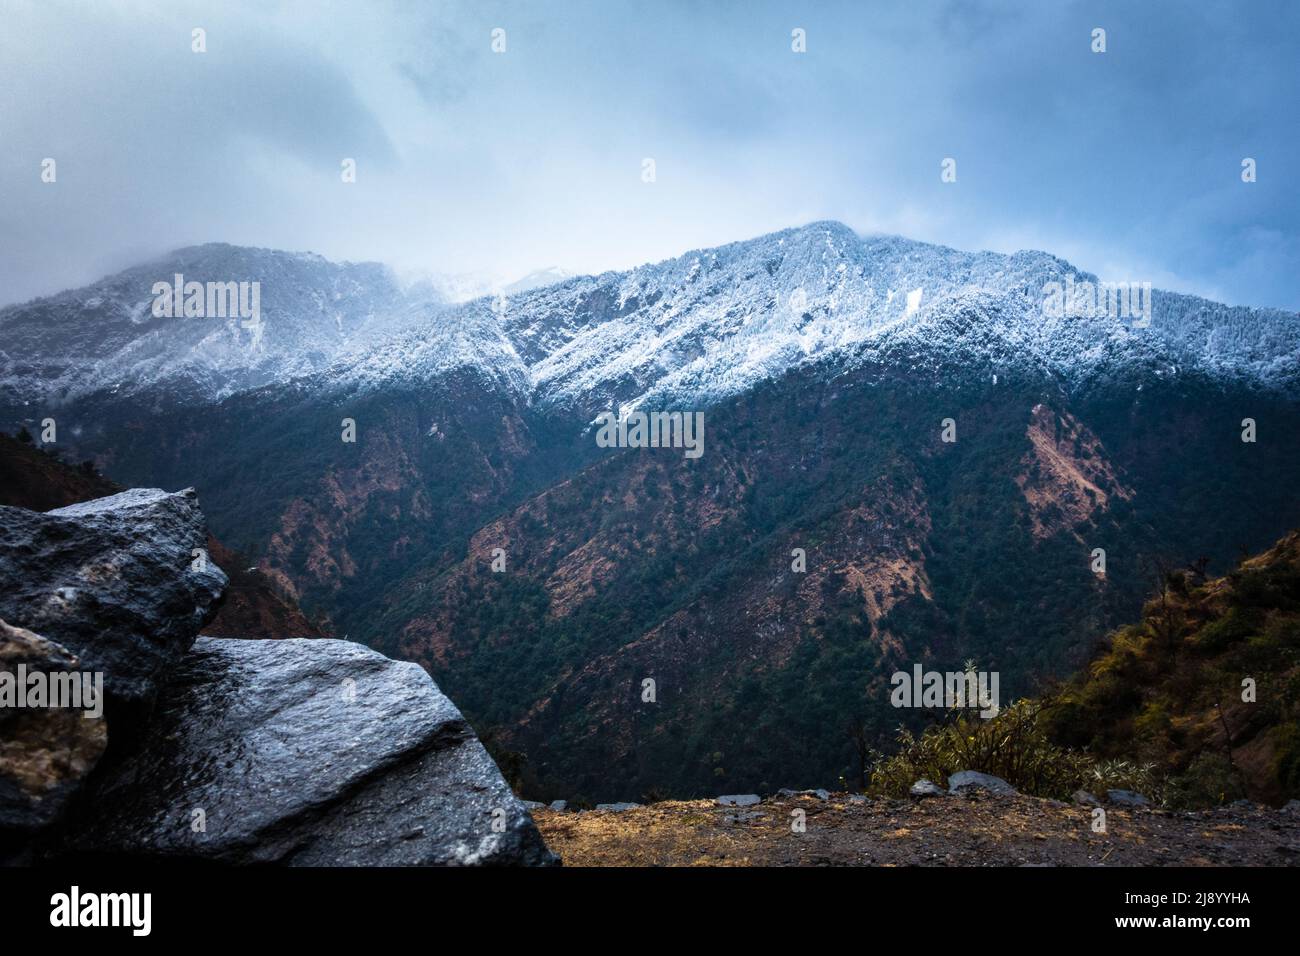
[1209,780]
[1125,775]
[1013,745]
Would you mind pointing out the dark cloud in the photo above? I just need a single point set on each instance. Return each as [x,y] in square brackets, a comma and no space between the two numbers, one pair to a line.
[1126,162]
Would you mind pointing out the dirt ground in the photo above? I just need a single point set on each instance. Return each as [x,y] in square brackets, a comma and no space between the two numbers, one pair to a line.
[974,830]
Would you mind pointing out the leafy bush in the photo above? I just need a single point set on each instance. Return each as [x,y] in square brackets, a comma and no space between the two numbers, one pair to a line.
[1014,745]
[1171,689]
[1209,780]
[1142,778]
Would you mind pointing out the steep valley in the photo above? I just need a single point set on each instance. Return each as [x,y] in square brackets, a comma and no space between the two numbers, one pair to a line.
[828,536]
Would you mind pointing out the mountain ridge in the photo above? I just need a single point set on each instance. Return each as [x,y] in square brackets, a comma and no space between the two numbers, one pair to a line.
[696,327]
[825,431]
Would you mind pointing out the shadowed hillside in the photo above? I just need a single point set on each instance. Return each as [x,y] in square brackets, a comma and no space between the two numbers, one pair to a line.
[40,480]
[1206,687]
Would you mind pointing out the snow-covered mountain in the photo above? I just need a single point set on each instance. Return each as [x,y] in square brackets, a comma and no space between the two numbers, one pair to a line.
[697,329]
[712,323]
[830,360]
[106,338]
[552,275]
[466,286]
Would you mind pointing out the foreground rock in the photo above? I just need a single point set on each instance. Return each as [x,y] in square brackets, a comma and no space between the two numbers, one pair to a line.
[114,580]
[926,788]
[306,752]
[738,800]
[964,780]
[1126,798]
[46,750]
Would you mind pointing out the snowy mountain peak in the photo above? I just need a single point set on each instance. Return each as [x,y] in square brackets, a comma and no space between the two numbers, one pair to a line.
[109,336]
[536,280]
[714,322]
[697,328]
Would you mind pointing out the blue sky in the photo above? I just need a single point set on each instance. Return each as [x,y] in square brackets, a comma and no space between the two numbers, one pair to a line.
[1126,163]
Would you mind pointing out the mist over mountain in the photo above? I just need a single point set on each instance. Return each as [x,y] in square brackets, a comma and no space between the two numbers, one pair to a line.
[828,367]
[701,327]
[105,337]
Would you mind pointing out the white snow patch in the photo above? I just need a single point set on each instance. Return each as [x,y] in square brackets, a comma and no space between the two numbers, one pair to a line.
[913,302]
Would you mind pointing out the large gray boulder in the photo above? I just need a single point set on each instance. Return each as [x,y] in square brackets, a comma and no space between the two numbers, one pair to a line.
[308,753]
[115,581]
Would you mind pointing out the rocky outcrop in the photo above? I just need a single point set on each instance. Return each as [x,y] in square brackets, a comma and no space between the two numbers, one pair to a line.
[122,582]
[102,596]
[308,752]
[46,746]
[253,605]
[297,752]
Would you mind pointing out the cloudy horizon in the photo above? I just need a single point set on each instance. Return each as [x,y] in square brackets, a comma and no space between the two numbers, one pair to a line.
[470,161]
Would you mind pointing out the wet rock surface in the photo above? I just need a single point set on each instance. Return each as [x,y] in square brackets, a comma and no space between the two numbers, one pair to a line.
[307,752]
[45,751]
[299,752]
[113,580]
